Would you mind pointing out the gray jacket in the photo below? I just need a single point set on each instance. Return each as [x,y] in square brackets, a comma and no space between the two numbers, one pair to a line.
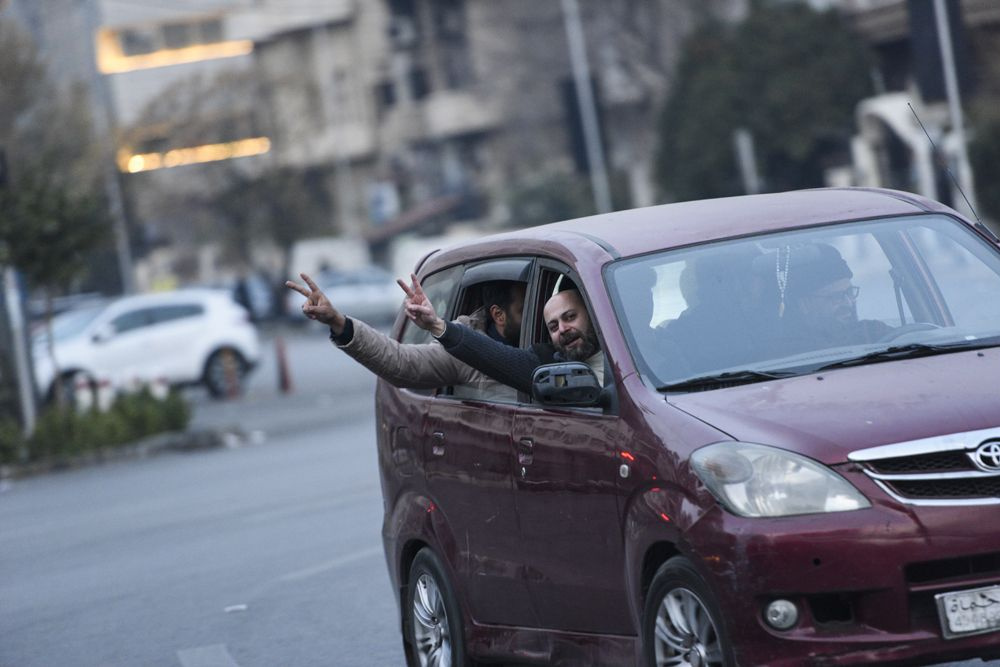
[423,366]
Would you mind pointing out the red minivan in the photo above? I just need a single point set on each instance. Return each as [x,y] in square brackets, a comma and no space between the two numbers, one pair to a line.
[793,457]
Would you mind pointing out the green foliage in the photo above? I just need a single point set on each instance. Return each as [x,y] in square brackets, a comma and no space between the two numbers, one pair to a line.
[47,232]
[559,196]
[788,74]
[52,214]
[283,205]
[549,199]
[176,412]
[11,440]
[984,156]
[62,434]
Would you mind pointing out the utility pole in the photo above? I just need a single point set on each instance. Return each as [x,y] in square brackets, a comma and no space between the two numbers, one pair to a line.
[19,349]
[112,184]
[324,72]
[16,331]
[954,103]
[747,159]
[587,105]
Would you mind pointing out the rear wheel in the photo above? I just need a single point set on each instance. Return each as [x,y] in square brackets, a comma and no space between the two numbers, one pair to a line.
[225,372]
[682,624]
[433,625]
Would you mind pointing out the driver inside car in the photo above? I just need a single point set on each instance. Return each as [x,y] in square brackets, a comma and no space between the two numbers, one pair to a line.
[817,301]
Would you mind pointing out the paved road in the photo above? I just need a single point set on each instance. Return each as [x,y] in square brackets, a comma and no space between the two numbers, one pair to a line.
[259,555]
[262,554]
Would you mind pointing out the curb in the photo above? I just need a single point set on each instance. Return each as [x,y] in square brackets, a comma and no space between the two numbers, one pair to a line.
[178,441]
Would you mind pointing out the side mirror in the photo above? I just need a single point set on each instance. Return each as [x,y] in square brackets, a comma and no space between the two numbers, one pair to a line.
[566,384]
[103,334]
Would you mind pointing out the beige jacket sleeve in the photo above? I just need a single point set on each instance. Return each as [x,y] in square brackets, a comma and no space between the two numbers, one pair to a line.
[407,366]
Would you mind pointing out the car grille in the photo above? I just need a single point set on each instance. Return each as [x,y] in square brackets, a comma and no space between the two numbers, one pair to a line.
[936,462]
[936,471]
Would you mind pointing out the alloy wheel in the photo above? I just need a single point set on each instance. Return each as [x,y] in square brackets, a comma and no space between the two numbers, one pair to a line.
[430,624]
[685,632]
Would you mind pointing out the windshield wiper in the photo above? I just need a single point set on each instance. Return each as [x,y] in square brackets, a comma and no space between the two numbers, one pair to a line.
[727,378]
[911,351]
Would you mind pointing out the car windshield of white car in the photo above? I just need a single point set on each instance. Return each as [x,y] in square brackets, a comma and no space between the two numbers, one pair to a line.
[72,322]
[767,306]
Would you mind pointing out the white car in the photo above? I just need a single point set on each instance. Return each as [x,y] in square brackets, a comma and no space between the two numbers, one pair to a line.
[181,337]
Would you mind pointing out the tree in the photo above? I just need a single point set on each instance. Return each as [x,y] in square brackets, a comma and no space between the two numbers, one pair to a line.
[238,203]
[790,75]
[984,155]
[52,217]
[280,205]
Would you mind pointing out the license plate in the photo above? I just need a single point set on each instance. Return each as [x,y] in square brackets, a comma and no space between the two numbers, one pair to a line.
[970,612]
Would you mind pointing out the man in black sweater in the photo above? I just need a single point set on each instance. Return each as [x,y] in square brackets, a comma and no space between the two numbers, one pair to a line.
[572,339]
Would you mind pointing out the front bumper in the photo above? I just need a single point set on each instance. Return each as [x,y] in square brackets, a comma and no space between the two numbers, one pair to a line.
[864,582]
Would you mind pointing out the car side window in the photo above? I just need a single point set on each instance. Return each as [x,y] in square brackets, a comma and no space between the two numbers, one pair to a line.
[131,320]
[551,281]
[176,312]
[440,288]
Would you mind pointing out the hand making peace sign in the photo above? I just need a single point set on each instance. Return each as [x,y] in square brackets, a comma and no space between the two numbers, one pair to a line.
[317,306]
[419,308]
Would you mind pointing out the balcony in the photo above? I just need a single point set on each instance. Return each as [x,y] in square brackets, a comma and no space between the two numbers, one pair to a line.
[451,113]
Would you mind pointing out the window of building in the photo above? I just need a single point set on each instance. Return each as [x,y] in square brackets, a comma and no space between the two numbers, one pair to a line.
[344,109]
[385,95]
[136,42]
[178,35]
[420,85]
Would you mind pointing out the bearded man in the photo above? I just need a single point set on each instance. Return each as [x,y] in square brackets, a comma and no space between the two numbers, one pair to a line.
[570,330]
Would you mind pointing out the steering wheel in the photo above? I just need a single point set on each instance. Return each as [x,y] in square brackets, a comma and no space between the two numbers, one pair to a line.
[905,329]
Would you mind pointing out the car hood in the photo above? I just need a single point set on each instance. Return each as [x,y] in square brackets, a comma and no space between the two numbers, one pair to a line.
[830,414]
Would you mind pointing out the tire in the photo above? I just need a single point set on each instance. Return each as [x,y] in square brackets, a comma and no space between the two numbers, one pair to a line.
[681,622]
[224,373]
[432,621]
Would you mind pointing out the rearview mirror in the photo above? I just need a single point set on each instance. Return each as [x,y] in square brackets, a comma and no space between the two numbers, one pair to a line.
[567,384]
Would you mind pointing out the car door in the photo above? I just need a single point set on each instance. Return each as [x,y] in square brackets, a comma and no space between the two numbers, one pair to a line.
[175,340]
[121,350]
[566,496]
[468,465]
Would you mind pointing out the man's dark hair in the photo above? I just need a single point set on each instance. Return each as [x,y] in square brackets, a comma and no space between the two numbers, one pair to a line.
[499,293]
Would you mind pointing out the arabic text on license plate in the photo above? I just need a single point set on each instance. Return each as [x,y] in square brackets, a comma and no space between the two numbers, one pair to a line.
[970,612]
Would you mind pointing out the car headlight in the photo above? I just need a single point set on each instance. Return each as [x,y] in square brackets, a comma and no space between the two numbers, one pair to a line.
[759,481]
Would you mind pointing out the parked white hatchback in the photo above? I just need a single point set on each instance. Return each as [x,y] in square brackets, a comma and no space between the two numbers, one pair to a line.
[180,337]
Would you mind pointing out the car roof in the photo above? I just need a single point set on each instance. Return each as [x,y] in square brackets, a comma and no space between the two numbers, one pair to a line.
[641,230]
[197,294]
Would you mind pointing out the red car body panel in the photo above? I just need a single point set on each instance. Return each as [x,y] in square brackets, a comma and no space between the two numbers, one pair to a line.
[586,540]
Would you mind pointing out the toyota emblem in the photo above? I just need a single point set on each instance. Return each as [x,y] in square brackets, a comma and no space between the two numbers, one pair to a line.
[987,456]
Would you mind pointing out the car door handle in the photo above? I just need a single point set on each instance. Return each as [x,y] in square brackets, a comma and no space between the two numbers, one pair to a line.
[525,451]
[437,443]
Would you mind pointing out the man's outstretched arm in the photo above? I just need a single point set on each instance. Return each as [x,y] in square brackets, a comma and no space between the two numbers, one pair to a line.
[504,363]
[407,366]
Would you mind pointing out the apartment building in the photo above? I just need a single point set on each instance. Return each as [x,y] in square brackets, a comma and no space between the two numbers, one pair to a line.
[413,115]
[430,112]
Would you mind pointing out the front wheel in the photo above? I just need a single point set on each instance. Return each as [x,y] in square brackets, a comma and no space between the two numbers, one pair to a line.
[434,622]
[681,623]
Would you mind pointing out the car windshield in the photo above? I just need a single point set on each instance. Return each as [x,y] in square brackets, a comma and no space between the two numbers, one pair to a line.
[788,303]
[72,322]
